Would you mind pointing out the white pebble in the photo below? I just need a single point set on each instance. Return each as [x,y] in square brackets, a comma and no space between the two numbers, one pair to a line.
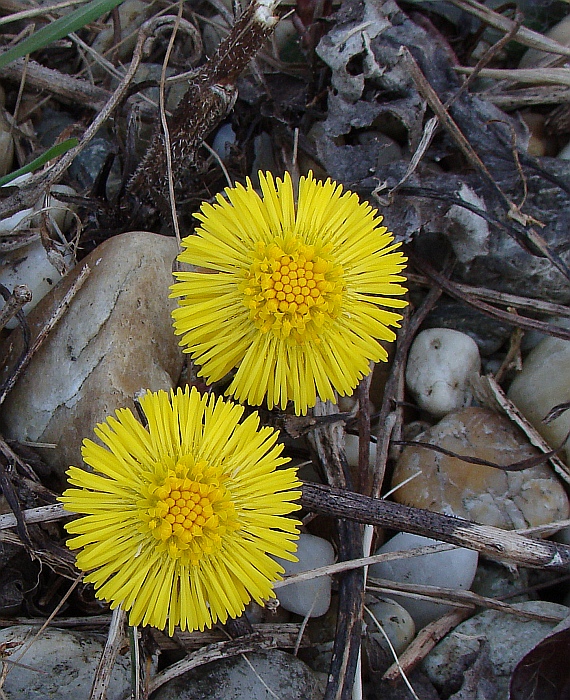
[467,232]
[351,443]
[543,383]
[223,141]
[441,365]
[394,619]
[454,568]
[311,597]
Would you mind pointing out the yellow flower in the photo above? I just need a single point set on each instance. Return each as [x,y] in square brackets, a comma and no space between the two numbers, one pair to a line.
[290,293]
[182,518]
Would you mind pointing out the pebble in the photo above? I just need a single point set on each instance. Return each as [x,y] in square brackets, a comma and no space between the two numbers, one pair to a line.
[258,677]
[543,383]
[115,339]
[62,665]
[497,580]
[508,638]
[223,141]
[454,568]
[351,446]
[312,597]
[394,619]
[485,495]
[388,630]
[441,365]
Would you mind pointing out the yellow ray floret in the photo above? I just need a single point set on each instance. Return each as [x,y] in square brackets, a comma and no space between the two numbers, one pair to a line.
[181,519]
[296,295]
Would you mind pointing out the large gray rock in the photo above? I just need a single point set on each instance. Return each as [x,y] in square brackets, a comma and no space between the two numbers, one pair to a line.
[115,339]
[506,639]
[286,676]
[59,664]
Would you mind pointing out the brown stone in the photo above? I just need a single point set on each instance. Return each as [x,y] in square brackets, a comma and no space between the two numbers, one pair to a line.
[115,339]
[486,495]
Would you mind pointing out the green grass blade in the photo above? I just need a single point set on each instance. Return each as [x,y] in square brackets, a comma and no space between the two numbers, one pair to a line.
[53,152]
[57,30]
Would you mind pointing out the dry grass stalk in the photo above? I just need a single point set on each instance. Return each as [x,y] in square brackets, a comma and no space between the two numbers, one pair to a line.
[524,36]
[531,76]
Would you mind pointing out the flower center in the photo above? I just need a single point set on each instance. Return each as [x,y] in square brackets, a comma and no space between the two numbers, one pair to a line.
[189,511]
[291,289]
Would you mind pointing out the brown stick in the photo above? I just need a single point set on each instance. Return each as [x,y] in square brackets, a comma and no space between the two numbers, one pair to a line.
[329,444]
[538,306]
[20,296]
[425,641]
[489,541]
[454,291]
[68,89]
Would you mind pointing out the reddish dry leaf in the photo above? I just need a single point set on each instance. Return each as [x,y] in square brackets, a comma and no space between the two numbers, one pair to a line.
[544,673]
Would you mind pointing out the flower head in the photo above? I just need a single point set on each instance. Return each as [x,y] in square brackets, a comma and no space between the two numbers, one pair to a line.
[294,294]
[182,518]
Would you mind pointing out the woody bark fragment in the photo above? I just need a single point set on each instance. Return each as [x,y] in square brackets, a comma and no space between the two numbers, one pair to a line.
[210,97]
[328,442]
[503,545]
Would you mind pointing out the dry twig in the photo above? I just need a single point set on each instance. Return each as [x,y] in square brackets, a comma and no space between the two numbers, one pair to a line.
[328,442]
[524,36]
[493,542]
[115,638]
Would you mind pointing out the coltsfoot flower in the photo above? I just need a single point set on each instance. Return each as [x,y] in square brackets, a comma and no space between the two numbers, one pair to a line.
[294,294]
[182,518]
